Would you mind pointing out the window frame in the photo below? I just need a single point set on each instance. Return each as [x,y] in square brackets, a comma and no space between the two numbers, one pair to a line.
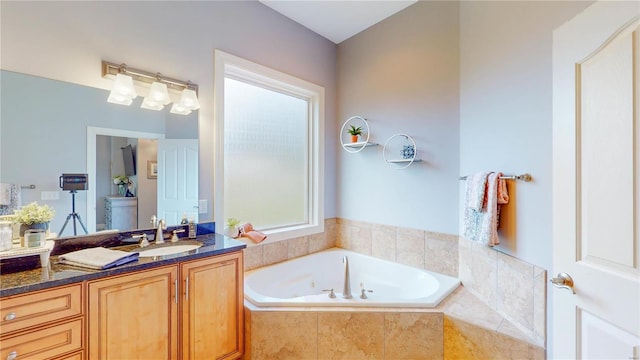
[227,65]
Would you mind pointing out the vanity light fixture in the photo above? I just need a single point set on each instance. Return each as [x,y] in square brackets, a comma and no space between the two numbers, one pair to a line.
[123,91]
[159,89]
[188,102]
[158,96]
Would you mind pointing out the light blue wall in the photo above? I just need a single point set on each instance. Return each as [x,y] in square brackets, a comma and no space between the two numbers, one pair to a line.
[402,75]
[67,40]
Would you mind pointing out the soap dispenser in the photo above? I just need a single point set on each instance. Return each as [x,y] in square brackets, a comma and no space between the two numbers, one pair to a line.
[192,229]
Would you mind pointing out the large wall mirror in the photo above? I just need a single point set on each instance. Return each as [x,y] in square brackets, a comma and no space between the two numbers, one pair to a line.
[49,128]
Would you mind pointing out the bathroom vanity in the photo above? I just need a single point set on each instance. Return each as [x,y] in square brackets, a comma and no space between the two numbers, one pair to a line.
[181,306]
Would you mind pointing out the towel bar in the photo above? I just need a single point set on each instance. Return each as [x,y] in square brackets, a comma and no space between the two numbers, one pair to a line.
[523,177]
[28,186]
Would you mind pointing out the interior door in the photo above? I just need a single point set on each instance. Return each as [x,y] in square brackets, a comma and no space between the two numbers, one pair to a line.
[177,179]
[595,184]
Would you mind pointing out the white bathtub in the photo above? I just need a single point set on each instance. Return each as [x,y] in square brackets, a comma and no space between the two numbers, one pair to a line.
[301,281]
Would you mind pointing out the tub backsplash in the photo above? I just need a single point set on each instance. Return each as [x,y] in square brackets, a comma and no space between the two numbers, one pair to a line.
[512,287]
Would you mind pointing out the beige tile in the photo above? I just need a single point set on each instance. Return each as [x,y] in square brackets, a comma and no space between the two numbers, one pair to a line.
[536,353]
[514,294]
[383,242]
[361,237]
[462,304]
[330,226]
[298,247]
[284,335]
[466,341]
[343,235]
[478,269]
[253,257]
[414,336]
[540,307]
[510,329]
[441,254]
[410,247]
[318,242]
[275,252]
[350,336]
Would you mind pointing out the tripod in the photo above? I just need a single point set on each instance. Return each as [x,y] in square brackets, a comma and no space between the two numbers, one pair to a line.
[73,215]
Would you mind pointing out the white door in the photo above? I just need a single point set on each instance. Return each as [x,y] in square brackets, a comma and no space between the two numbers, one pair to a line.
[177,179]
[596,193]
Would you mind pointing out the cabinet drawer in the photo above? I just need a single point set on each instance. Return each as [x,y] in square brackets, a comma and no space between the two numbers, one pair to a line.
[75,356]
[23,311]
[44,343]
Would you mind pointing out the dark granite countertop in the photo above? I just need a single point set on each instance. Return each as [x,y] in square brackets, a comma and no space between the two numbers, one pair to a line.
[18,282]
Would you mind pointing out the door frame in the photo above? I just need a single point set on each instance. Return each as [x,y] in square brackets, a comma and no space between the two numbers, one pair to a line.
[92,134]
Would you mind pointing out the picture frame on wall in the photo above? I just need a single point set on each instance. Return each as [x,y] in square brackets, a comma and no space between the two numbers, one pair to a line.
[152,169]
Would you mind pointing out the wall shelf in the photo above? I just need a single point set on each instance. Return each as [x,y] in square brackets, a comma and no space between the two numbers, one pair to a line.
[354,147]
[358,144]
[404,146]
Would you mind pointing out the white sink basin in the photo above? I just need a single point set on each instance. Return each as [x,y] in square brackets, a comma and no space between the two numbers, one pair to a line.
[168,250]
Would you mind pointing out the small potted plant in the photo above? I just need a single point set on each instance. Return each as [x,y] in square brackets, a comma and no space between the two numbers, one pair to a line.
[34,216]
[232,227]
[355,131]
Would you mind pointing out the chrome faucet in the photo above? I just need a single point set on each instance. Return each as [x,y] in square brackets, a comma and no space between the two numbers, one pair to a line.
[159,232]
[346,291]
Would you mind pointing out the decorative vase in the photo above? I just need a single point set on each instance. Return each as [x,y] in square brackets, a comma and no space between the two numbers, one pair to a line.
[354,138]
[24,227]
[122,190]
[232,231]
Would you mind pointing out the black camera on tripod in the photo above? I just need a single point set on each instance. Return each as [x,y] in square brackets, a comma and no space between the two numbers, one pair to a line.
[73,183]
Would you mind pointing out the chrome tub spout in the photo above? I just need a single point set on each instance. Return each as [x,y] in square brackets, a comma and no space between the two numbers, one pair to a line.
[346,291]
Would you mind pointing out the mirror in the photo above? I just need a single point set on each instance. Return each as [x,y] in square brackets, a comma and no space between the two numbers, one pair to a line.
[50,127]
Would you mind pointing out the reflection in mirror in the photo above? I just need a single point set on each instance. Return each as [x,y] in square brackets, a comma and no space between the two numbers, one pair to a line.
[46,127]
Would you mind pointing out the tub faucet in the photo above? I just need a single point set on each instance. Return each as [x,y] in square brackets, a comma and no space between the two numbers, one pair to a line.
[159,232]
[346,291]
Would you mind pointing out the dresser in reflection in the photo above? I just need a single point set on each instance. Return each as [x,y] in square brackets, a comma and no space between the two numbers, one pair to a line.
[121,213]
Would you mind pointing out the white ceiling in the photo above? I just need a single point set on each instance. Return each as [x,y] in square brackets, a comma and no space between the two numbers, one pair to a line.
[337,20]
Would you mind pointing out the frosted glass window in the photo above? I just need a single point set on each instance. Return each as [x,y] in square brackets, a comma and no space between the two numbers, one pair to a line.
[266,156]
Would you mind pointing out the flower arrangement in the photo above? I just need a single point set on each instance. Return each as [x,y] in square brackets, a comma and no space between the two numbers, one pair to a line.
[34,213]
[121,180]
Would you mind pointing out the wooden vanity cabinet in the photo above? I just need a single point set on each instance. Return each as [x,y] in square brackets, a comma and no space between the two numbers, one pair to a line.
[212,309]
[47,324]
[134,316]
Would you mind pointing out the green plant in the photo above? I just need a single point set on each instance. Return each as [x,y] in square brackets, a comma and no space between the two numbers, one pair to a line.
[34,213]
[355,130]
[232,222]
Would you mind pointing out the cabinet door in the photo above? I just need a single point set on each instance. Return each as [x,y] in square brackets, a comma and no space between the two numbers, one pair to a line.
[134,316]
[212,310]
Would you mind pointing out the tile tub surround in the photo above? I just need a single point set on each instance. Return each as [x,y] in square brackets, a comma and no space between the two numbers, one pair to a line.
[428,250]
[259,255]
[461,327]
[478,267]
[514,288]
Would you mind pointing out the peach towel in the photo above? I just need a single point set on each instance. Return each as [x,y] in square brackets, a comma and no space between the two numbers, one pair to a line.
[247,231]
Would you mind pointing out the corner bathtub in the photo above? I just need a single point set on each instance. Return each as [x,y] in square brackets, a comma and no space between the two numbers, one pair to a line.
[301,281]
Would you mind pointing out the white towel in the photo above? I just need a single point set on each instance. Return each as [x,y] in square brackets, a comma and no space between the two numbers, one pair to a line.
[482,226]
[97,258]
[475,191]
[10,198]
